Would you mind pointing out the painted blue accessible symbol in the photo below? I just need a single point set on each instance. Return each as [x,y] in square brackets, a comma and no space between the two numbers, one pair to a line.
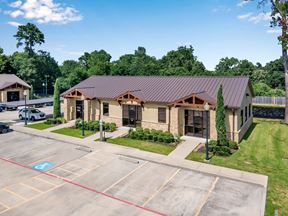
[43,166]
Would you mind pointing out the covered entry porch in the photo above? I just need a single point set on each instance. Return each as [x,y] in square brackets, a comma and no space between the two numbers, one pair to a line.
[193,115]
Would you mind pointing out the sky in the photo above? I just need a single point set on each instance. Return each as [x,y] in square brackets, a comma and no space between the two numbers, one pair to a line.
[215,28]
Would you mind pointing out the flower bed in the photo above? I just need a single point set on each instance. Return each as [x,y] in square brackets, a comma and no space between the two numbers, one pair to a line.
[95,125]
[152,135]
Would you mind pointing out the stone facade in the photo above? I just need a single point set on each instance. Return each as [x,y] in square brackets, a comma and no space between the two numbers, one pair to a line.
[175,119]
[3,94]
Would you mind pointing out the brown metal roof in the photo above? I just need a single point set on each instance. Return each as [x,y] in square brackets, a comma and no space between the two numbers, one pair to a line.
[165,89]
[7,80]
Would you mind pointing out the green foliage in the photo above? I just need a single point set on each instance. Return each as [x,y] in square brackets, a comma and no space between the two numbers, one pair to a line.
[56,101]
[55,121]
[262,89]
[95,125]
[220,119]
[28,36]
[151,135]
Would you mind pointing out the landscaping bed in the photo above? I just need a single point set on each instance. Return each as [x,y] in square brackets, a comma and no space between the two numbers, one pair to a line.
[155,141]
[90,127]
[263,150]
[47,124]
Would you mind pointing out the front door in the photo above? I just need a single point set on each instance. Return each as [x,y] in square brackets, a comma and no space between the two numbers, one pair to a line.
[196,123]
[79,109]
[131,115]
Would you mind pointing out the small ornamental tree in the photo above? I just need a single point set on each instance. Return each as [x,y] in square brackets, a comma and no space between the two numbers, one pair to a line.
[31,93]
[56,102]
[220,119]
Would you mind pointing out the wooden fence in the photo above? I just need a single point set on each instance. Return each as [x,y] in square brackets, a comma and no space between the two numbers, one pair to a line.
[266,100]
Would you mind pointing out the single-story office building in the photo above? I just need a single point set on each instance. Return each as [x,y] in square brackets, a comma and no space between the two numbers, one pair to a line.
[174,104]
[12,88]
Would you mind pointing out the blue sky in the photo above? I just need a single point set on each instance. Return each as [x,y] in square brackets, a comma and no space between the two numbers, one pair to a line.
[215,28]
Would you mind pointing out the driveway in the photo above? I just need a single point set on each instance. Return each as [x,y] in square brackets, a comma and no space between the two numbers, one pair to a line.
[102,183]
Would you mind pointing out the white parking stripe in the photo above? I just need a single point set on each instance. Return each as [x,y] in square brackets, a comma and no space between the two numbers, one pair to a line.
[121,179]
[204,200]
[162,186]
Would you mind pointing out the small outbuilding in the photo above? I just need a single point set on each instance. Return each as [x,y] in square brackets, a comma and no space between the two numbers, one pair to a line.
[12,88]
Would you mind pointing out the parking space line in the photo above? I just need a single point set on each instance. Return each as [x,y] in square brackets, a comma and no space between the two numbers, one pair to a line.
[35,177]
[162,186]
[13,193]
[7,207]
[121,179]
[83,187]
[68,171]
[30,187]
[205,199]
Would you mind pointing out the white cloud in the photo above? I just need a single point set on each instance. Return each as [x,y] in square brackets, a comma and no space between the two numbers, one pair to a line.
[257,18]
[15,4]
[260,17]
[16,13]
[274,31]
[45,11]
[244,16]
[243,3]
[15,24]
[221,8]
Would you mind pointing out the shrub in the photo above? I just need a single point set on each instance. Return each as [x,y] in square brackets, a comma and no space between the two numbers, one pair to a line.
[222,150]
[78,123]
[52,121]
[233,145]
[211,145]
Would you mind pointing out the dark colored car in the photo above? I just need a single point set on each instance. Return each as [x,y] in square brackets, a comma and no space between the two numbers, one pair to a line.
[3,106]
[11,107]
[1,109]
[4,128]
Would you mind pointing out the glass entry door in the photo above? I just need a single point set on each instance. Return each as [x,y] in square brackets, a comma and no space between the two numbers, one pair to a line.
[131,115]
[79,108]
[195,123]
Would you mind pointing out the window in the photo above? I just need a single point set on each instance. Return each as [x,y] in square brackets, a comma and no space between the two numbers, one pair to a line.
[246,113]
[241,118]
[249,110]
[106,109]
[162,115]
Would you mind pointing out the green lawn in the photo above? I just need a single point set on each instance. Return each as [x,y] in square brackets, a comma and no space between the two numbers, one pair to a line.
[39,126]
[143,145]
[264,150]
[73,132]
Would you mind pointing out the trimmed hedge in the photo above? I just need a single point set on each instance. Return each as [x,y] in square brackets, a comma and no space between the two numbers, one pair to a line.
[151,135]
[222,150]
[95,125]
[56,121]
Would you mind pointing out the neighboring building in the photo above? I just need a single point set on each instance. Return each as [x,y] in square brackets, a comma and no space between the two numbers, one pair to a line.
[12,88]
[174,104]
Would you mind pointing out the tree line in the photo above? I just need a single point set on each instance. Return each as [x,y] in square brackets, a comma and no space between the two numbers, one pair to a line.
[37,67]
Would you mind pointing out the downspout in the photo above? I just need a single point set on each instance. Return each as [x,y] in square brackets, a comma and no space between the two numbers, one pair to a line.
[99,109]
[233,127]
[169,122]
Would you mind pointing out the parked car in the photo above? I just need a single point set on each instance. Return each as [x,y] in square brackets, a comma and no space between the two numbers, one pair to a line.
[4,128]
[11,107]
[1,109]
[32,114]
[3,106]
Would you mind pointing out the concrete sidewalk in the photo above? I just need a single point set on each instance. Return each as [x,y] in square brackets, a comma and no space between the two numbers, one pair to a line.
[157,158]
[185,148]
[66,125]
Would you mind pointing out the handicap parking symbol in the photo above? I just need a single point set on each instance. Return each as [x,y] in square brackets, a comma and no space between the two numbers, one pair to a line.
[43,166]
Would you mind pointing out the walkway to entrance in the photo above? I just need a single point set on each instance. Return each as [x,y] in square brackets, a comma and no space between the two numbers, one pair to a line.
[185,147]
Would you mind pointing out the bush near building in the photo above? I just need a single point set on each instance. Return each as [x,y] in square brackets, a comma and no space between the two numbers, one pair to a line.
[152,135]
[95,125]
[222,150]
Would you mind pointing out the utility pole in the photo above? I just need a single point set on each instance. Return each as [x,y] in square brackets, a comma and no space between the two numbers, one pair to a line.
[46,76]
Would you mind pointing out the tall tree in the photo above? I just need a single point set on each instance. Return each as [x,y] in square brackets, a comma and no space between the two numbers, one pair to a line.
[220,119]
[56,101]
[279,16]
[29,35]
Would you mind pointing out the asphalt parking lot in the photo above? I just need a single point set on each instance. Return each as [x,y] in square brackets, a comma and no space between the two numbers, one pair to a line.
[101,183]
